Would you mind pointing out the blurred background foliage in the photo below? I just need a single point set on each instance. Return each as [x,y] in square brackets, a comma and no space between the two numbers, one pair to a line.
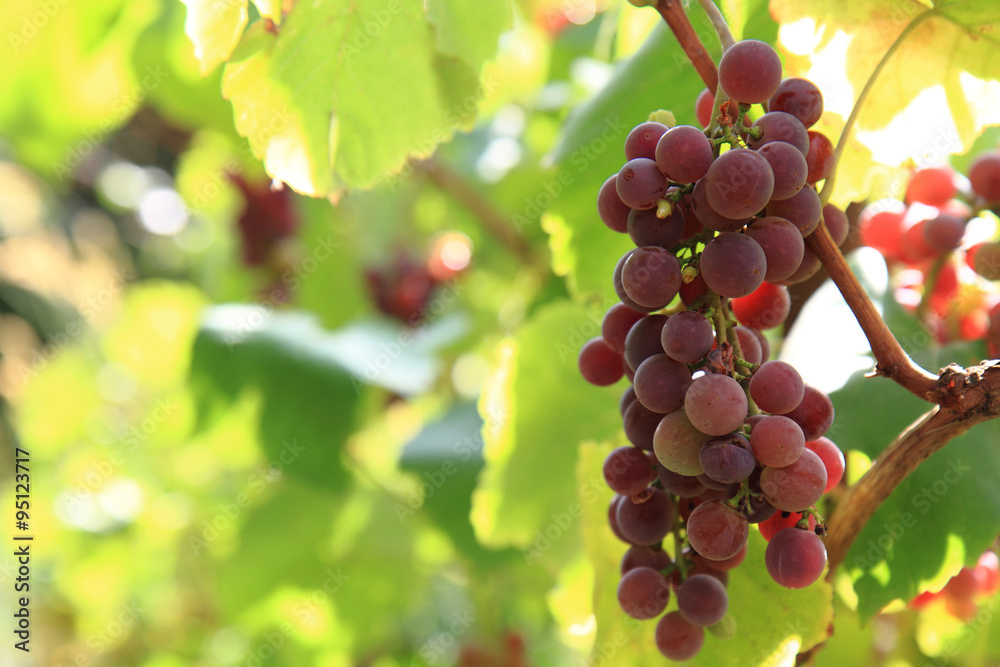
[272,429]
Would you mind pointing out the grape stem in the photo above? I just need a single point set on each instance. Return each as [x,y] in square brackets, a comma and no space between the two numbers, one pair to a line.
[673,13]
[719,23]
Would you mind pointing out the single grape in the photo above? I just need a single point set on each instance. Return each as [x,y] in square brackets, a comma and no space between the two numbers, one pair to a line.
[987,261]
[716,531]
[765,308]
[641,556]
[627,399]
[776,387]
[646,522]
[932,186]
[645,229]
[617,323]
[683,486]
[795,487]
[789,167]
[641,141]
[643,593]
[613,211]
[687,336]
[702,600]
[807,269]
[821,158]
[677,443]
[613,518]
[780,126]
[814,414]
[599,364]
[708,216]
[739,183]
[684,154]
[804,210]
[781,520]
[944,232]
[915,246]
[711,484]
[660,383]
[833,460]
[795,558]
[643,340]
[723,565]
[881,227]
[715,404]
[750,71]
[651,276]
[703,107]
[777,441]
[727,459]
[836,222]
[733,265]
[677,639]
[984,176]
[692,291]
[627,470]
[619,285]
[799,97]
[750,344]
[640,183]
[640,424]
[782,244]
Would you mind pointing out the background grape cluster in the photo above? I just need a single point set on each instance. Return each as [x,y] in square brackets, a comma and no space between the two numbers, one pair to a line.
[721,437]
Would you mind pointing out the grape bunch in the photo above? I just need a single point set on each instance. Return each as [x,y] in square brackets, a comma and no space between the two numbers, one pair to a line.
[946,273]
[721,437]
[963,592]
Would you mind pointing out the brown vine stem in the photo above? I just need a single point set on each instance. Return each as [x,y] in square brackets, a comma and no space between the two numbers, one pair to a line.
[499,227]
[672,12]
[890,359]
[968,396]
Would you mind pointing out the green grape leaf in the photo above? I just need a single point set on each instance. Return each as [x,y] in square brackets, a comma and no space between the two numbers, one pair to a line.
[293,511]
[269,9]
[537,409]
[344,96]
[773,624]
[942,47]
[214,27]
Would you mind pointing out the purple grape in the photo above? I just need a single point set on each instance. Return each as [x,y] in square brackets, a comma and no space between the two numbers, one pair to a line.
[651,276]
[613,211]
[677,443]
[684,154]
[777,441]
[804,210]
[660,383]
[782,244]
[708,216]
[795,558]
[780,126]
[814,414]
[687,336]
[776,387]
[683,486]
[799,97]
[677,639]
[613,518]
[836,222]
[795,487]
[643,340]
[640,183]
[944,232]
[715,404]
[739,183]
[627,470]
[619,285]
[642,556]
[733,265]
[617,322]
[750,71]
[789,167]
[640,424]
[716,531]
[641,141]
[599,364]
[727,459]
[645,229]
[648,521]
[750,344]
[702,600]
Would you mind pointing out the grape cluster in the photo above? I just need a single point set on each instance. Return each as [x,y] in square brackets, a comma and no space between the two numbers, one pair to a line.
[721,437]
[963,592]
[926,237]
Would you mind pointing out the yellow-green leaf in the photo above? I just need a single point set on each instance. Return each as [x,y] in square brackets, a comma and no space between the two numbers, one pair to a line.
[944,55]
[214,27]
